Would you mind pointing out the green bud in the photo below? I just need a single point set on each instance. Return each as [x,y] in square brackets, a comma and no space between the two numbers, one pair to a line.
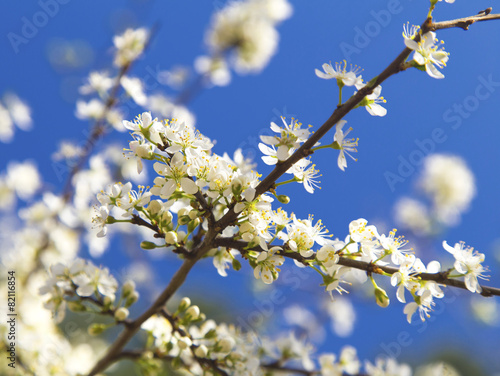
[381,297]
[132,299]
[182,220]
[128,288]
[284,199]
[184,304]
[110,219]
[236,265]
[193,224]
[212,333]
[96,329]
[148,245]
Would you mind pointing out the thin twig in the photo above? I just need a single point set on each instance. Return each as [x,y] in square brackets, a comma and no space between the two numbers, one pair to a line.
[99,127]
[463,23]
[440,278]
[211,363]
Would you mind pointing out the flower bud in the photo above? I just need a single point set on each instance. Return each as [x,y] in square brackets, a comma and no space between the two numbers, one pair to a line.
[148,245]
[181,235]
[201,351]
[171,237]
[166,217]
[108,300]
[154,207]
[193,214]
[121,314]
[226,344]
[284,199]
[212,333]
[193,312]
[236,186]
[128,288]
[132,299]
[193,224]
[236,265]
[110,219]
[96,329]
[184,304]
[381,297]
[182,220]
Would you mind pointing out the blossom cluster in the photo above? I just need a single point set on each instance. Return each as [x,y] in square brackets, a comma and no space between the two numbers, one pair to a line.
[192,340]
[349,77]
[81,286]
[192,190]
[202,346]
[192,184]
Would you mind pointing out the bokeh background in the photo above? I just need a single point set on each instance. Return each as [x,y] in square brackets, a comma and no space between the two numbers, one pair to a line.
[47,71]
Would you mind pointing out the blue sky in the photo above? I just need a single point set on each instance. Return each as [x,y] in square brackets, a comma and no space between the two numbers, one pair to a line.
[318,32]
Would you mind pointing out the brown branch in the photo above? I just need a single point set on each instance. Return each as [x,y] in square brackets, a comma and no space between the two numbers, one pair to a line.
[463,23]
[97,131]
[116,348]
[138,354]
[440,278]
[177,280]
[277,366]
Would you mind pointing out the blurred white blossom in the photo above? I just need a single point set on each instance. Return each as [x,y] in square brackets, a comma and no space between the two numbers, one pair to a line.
[130,45]
[246,30]
[13,111]
[449,184]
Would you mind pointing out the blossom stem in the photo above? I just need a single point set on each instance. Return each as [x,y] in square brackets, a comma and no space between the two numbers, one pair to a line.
[287,181]
[329,146]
